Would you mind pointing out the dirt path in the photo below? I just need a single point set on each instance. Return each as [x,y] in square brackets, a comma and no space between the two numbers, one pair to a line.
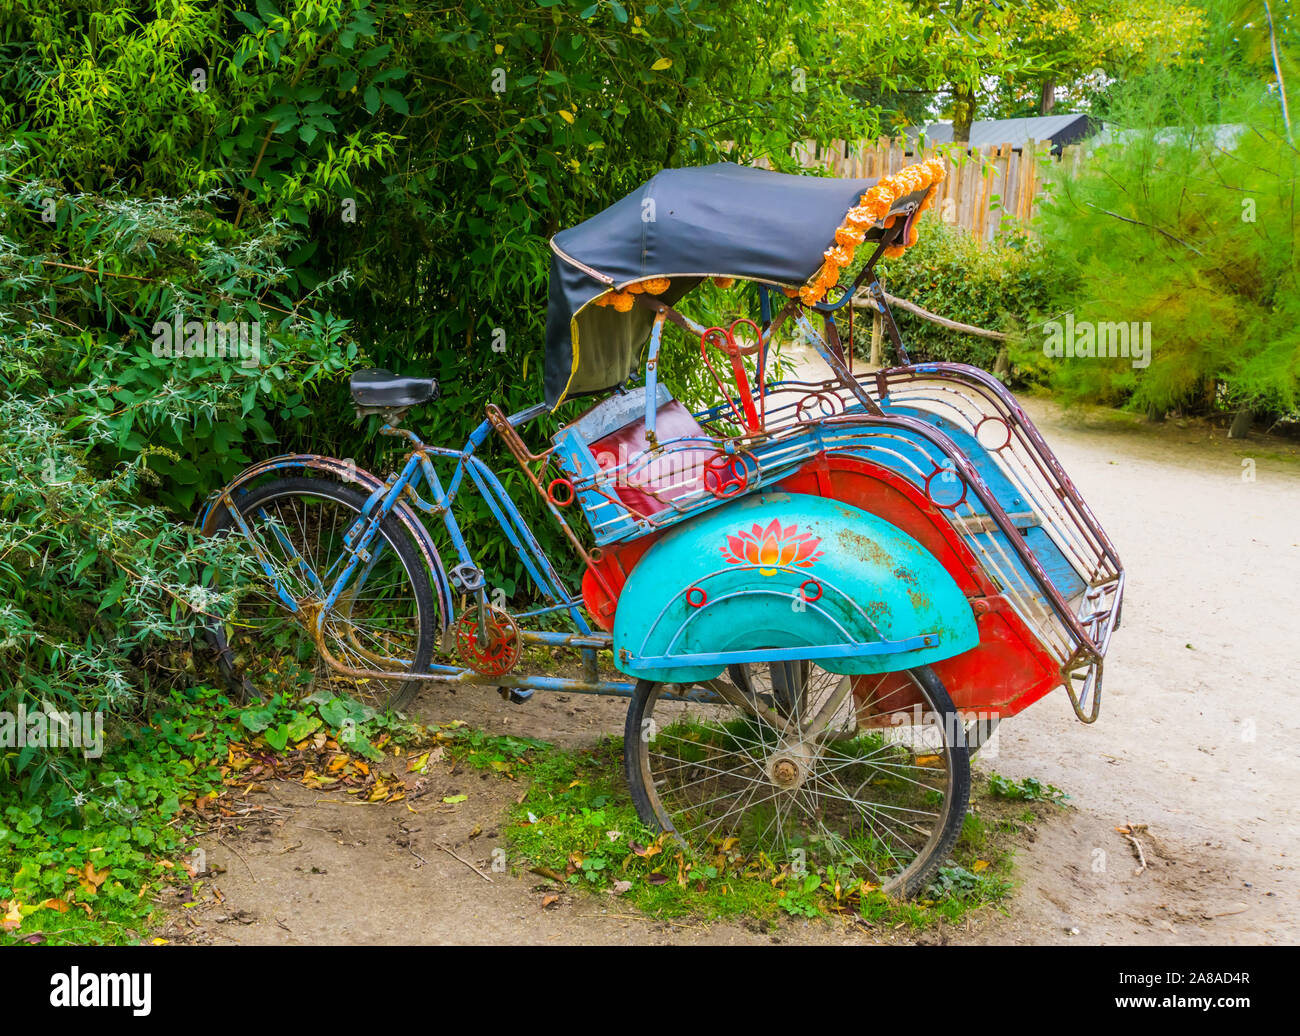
[1197,740]
[1199,724]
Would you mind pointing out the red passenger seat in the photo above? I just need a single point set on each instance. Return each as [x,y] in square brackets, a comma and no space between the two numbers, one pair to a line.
[651,486]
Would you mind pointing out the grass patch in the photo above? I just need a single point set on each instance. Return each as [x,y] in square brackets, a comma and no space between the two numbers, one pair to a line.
[82,863]
[1030,789]
[577,827]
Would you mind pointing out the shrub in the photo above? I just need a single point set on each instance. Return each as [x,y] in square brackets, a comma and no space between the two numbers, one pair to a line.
[1184,218]
[996,286]
[103,440]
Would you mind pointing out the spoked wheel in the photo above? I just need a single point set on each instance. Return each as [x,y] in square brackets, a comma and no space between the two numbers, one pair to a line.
[868,773]
[386,618]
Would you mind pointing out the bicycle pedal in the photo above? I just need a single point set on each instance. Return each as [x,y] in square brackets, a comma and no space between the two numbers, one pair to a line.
[514,695]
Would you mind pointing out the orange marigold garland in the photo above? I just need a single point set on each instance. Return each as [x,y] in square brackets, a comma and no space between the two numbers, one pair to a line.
[873,208]
[623,301]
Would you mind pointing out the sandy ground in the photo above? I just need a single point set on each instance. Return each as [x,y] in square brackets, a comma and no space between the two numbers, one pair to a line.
[1197,740]
[1199,724]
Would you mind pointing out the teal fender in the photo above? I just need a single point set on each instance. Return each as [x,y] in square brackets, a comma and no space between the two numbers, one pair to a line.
[787,576]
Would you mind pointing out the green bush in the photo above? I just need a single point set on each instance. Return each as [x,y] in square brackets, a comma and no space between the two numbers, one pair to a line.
[110,433]
[997,286]
[1185,220]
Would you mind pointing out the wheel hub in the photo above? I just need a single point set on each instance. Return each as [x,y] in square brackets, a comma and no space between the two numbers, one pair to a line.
[789,766]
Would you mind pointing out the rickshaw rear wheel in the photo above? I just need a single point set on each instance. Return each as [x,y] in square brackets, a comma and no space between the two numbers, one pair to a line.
[876,794]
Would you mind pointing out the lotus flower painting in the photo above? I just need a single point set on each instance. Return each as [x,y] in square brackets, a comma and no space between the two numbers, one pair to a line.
[773,547]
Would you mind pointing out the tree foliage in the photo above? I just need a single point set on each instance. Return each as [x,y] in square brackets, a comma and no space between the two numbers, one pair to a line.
[363,182]
[1005,58]
[1185,219]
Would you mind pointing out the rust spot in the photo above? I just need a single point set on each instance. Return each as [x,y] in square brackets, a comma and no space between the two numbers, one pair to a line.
[874,609]
[864,547]
[904,575]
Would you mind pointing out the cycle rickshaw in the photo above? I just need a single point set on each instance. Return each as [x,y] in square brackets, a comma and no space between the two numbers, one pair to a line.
[820,595]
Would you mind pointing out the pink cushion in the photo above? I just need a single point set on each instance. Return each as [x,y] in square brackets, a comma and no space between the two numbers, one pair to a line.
[672,474]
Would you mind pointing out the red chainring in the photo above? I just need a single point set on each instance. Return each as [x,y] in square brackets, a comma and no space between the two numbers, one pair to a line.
[500,647]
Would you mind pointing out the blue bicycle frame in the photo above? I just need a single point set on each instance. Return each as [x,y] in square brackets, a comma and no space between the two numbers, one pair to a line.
[363,546]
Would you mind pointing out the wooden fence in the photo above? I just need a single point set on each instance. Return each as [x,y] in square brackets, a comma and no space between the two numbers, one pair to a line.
[982,187]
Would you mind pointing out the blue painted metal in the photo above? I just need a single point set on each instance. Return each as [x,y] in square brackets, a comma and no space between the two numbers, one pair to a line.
[396,495]
[764,305]
[576,460]
[519,533]
[834,652]
[868,599]
[652,376]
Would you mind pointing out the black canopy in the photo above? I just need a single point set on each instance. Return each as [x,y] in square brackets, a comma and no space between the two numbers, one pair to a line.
[719,220]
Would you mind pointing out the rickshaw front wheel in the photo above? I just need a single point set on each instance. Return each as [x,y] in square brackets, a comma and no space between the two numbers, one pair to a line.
[805,769]
[386,620]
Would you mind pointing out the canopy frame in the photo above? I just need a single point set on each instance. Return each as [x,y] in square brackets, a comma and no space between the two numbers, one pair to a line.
[827,346]
[719,221]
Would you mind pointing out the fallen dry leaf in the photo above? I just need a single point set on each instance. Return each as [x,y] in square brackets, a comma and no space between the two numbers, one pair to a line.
[90,878]
[11,918]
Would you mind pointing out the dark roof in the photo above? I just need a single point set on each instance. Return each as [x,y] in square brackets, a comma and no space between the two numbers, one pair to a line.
[1059,130]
